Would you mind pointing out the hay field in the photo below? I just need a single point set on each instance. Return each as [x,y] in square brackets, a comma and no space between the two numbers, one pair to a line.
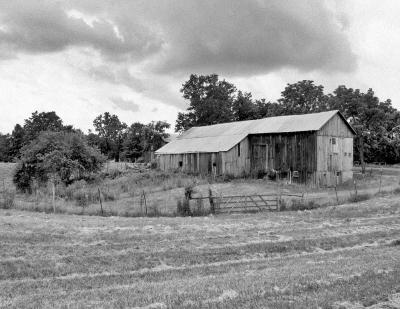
[337,257]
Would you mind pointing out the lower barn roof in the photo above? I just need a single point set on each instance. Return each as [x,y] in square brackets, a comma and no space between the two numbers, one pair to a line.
[222,137]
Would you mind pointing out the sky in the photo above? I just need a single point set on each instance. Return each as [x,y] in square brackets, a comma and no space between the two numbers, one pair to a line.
[81,58]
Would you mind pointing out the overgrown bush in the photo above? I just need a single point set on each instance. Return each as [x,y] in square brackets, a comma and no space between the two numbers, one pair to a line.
[62,155]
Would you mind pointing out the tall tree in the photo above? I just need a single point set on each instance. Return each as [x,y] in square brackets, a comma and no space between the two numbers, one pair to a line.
[16,140]
[39,122]
[210,101]
[141,138]
[243,107]
[303,97]
[111,130]
[372,120]
[5,148]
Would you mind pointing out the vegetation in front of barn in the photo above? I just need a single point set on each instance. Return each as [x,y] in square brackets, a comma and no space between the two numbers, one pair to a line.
[125,192]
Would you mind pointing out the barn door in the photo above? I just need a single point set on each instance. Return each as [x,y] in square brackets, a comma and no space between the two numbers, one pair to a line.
[259,157]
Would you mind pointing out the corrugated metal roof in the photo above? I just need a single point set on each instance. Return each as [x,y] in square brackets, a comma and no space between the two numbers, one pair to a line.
[222,137]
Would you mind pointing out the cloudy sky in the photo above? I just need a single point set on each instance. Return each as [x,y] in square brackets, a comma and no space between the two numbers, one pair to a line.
[82,58]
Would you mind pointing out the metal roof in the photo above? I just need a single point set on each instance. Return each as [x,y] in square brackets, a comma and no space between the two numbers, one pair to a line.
[222,137]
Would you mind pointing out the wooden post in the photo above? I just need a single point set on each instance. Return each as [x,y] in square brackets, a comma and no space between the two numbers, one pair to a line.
[211,199]
[53,187]
[144,201]
[380,181]
[337,199]
[355,189]
[101,203]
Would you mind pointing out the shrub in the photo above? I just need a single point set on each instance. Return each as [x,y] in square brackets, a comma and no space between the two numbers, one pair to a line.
[199,210]
[183,208]
[62,155]
[304,205]
[353,198]
[7,200]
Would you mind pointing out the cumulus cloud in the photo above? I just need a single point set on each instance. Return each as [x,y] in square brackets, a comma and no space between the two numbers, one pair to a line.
[126,105]
[233,37]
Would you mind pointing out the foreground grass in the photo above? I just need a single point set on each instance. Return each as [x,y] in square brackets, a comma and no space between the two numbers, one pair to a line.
[325,258]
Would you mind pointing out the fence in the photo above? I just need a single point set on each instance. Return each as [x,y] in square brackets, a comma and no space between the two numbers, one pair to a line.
[245,203]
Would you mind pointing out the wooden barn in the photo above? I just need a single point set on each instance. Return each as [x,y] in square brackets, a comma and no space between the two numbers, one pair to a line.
[311,148]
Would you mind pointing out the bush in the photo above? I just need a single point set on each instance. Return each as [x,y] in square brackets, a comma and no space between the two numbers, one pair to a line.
[304,205]
[7,199]
[183,208]
[359,197]
[58,155]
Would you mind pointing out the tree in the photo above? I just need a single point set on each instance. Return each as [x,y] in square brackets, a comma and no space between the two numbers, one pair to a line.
[5,148]
[56,155]
[210,101]
[111,130]
[40,122]
[141,138]
[243,107]
[371,119]
[16,141]
[303,97]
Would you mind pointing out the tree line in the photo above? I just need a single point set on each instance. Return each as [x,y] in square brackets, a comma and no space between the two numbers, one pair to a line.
[376,122]
[113,138]
[212,101]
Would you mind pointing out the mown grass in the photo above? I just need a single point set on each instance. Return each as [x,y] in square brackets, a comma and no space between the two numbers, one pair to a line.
[316,259]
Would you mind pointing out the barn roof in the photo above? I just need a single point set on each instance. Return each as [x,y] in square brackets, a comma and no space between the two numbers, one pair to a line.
[222,137]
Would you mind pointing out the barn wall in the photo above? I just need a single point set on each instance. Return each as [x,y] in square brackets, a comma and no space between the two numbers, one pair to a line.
[235,164]
[335,152]
[284,152]
[198,163]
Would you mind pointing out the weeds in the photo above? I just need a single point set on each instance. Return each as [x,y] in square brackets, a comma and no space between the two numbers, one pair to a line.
[354,198]
[183,208]
[7,199]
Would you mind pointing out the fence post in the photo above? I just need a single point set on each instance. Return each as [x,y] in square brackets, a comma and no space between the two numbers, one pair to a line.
[101,203]
[53,189]
[143,201]
[211,199]
[355,189]
[380,181]
[337,199]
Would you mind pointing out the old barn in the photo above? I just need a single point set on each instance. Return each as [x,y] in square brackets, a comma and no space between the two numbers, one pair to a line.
[311,148]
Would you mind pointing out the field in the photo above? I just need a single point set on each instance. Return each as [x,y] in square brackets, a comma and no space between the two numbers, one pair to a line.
[337,257]
[345,256]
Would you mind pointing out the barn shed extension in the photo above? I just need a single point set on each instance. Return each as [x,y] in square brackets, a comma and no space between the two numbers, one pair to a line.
[312,148]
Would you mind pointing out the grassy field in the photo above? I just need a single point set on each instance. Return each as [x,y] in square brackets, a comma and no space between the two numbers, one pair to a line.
[338,257]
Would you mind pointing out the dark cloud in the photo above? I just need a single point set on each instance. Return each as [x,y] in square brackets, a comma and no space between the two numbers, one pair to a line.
[250,37]
[48,26]
[125,105]
[231,37]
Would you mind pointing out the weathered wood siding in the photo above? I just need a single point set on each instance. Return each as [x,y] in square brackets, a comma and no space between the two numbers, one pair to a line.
[335,152]
[237,162]
[321,158]
[284,152]
[197,163]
